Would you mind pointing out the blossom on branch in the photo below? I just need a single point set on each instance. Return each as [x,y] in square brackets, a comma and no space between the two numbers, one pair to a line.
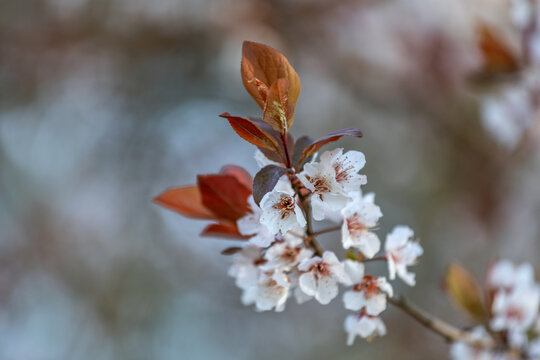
[286,254]
[280,212]
[271,291]
[333,179]
[402,252]
[321,277]
[250,225]
[370,293]
[359,217]
[363,325]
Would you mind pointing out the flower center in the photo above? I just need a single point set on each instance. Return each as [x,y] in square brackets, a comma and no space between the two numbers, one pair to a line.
[515,313]
[290,254]
[354,225]
[342,171]
[368,286]
[321,269]
[285,206]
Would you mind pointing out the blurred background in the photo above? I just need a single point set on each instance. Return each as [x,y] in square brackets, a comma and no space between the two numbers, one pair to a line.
[104,104]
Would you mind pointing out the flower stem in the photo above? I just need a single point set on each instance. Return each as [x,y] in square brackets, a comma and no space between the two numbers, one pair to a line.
[310,234]
[378,258]
[447,331]
[286,148]
[324,231]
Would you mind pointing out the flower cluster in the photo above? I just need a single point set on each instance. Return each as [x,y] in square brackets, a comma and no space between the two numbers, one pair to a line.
[278,261]
[278,214]
[513,316]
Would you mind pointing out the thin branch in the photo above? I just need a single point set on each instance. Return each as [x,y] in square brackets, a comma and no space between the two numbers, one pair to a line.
[447,331]
[324,231]
[378,258]
[311,235]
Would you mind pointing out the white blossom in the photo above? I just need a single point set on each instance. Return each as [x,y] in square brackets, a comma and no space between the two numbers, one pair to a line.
[515,310]
[363,325]
[402,252]
[321,277]
[280,211]
[299,295]
[250,225]
[359,217]
[370,293]
[245,266]
[332,180]
[286,254]
[504,275]
[463,351]
[271,291]
[354,270]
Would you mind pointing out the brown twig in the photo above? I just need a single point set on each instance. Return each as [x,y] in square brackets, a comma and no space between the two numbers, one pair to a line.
[324,231]
[447,331]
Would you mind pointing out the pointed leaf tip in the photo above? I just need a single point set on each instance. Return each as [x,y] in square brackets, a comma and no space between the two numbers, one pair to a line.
[333,136]
[251,132]
[261,67]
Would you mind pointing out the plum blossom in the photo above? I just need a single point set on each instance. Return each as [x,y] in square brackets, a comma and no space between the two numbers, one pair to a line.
[245,267]
[280,211]
[299,295]
[516,310]
[286,254]
[402,252]
[359,217]
[271,291]
[370,293]
[250,225]
[321,277]
[504,275]
[463,351]
[333,179]
[363,325]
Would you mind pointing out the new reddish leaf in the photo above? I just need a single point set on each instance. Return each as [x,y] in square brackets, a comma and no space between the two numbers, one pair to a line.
[184,200]
[312,148]
[262,66]
[265,181]
[252,133]
[239,173]
[224,195]
[223,230]
[276,110]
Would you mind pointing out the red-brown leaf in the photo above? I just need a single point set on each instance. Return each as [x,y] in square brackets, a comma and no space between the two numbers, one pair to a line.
[312,148]
[223,230]
[262,66]
[239,173]
[252,133]
[276,110]
[185,200]
[224,195]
